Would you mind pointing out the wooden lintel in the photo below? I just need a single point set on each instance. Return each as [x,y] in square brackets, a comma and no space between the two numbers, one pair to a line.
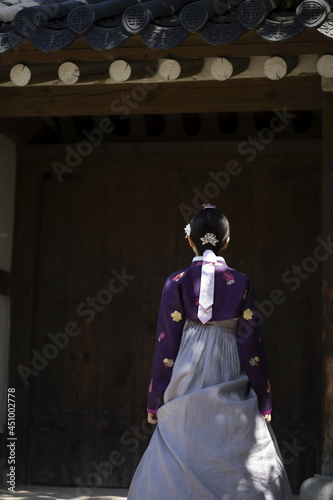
[257,94]
[46,152]
[195,155]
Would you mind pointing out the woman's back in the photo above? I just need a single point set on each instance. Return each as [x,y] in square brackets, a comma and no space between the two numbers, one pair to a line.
[209,391]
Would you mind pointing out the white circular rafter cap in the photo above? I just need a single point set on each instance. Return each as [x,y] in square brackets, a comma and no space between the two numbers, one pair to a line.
[120,71]
[169,69]
[69,73]
[275,68]
[20,75]
[221,69]
[325,66]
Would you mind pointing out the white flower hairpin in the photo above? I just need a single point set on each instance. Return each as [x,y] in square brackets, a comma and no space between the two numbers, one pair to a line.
[187,230]
[209,238]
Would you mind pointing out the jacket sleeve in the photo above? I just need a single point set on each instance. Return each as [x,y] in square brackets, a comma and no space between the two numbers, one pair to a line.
[169,330]
[251,350]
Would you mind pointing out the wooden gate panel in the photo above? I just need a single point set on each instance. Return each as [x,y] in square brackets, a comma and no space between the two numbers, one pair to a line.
[266,206]
[91,396]
[305,328]
[85,255]
[271,228]
[158,250]
[189,182]
[120,327]
[23,295]
[47,421]
[236,200]
[137,242]
[305,301]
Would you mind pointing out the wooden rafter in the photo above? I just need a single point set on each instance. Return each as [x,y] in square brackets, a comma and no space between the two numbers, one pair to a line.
[160,70]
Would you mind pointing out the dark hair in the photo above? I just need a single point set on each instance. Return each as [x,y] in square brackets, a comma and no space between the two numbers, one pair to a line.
[209,220]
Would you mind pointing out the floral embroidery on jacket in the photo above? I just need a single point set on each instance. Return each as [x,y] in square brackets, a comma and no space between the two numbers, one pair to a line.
[161,336]
[150,388]
[254,361]
[177,278]
[269,390]
[196,301]
[248,314]
[168,363]
[229,278]
[176,316]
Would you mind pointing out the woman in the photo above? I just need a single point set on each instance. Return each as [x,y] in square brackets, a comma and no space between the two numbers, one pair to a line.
[209,392]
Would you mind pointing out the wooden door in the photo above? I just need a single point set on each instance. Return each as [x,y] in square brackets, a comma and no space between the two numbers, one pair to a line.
[91,256]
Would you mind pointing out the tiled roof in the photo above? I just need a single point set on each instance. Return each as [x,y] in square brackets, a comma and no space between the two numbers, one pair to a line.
[161,24]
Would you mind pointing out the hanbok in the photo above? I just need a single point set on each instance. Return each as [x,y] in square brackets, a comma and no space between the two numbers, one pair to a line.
[211,441]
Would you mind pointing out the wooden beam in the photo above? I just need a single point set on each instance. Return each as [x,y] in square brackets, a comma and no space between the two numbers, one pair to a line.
[161,155]
[199,148]
[327,290]
[257,94]
[249,44]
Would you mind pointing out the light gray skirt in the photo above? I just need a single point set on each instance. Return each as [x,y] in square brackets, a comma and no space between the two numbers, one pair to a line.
[211,442]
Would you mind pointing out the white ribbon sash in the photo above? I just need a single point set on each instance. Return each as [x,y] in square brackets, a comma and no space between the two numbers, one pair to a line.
[206,296]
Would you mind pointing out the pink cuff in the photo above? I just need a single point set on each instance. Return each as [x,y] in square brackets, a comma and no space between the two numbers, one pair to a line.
[266,412]
[152,411]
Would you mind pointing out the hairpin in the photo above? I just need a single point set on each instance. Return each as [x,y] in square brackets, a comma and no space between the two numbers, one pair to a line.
[208,205]
[187,230]
[209,238]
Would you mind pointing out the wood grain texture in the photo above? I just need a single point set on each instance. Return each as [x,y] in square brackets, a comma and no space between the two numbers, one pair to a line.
[24,273]
[90,400]
[327,292]
[308,42]
[181,97]
[50,411]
